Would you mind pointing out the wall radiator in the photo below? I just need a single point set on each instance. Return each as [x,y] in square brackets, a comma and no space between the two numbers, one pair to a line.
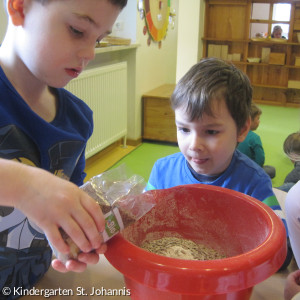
[104,89]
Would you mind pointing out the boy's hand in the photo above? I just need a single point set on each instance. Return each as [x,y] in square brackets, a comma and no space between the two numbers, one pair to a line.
[57,203]
[53,203]
[292,285]
[81,264]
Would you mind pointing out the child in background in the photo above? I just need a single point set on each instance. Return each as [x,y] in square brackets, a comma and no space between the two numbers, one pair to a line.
[277,33]
[252,145]
[212,113]
[291,148]
[47,44]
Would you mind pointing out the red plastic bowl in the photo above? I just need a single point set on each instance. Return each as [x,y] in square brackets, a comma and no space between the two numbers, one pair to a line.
[245,229]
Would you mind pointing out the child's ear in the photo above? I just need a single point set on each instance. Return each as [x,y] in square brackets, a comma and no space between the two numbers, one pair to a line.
[244,131]
[15,10]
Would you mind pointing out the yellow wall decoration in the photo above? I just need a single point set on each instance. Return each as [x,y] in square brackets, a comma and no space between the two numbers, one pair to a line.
[156,13]
[157,18]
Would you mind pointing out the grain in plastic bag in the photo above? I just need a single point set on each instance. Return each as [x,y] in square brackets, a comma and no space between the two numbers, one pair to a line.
[122,200]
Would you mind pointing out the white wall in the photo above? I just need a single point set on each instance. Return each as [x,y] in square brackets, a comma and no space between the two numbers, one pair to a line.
[3,21]
[125,25]
[154,67]
[201,28]
[190,33]
[188,36]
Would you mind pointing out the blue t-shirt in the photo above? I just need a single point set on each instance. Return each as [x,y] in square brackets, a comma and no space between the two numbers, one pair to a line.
[57,147]
[242,175]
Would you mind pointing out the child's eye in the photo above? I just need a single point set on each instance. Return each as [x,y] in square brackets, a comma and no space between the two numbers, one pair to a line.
[183,130]
[76,32]
[212,132]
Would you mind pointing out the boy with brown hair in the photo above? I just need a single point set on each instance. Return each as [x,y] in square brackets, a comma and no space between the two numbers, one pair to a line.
[212,105]
[47,44]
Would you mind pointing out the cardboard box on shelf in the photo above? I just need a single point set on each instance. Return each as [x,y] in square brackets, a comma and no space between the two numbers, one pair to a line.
[294,84]
[217,51]
[224,51]
[296,24]
[265,55]
[210,50]
[277,58]
[297,61]
[236,56]
[214,50]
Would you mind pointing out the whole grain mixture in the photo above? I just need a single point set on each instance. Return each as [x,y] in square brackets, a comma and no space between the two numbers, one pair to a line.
[181,248]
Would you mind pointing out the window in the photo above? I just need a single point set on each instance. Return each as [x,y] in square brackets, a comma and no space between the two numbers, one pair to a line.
[260,11]
[267,16]
[281,12]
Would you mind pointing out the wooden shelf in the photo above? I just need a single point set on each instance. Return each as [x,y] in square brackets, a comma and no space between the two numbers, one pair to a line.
[270,42]
[158,116]
[226,40]
[292,67]
[270,86]
[227,26]
[265,41]
[233,3]
[268,65]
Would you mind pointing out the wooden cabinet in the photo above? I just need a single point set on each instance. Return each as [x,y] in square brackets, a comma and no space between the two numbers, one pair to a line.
[158,116]
[228,34]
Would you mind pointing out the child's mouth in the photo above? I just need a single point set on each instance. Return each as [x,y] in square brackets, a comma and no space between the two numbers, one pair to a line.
[73,72]
[199,161]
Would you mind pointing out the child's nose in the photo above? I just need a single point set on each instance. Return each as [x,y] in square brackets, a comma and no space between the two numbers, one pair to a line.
[87,53]
[196,143]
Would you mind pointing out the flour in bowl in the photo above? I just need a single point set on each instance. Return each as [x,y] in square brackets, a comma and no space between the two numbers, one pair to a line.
[181,248]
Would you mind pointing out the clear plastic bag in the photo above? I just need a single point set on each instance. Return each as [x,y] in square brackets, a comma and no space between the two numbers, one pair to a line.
[122,200]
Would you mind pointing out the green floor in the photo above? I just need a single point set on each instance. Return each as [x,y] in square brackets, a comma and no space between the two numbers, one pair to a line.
[276,123]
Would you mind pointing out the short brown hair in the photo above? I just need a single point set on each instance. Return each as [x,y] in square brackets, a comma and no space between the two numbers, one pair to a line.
[214,78]
[291,146]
